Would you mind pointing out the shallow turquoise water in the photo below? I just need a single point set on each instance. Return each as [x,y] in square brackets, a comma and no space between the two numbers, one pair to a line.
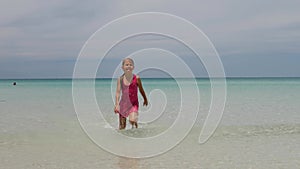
[259,128]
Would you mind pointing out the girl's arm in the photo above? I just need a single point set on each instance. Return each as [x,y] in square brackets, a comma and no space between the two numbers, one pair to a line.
[118,91]
[141,89]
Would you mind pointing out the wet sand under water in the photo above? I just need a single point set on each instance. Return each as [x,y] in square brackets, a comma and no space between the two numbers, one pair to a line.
[71,148]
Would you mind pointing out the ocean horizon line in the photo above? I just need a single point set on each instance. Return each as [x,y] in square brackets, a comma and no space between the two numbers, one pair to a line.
[108,78]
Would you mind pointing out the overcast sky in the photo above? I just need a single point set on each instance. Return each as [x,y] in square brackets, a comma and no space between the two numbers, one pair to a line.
[42,39]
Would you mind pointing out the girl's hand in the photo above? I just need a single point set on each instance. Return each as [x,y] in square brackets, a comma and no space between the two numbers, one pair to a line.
[117,109]
[145,103]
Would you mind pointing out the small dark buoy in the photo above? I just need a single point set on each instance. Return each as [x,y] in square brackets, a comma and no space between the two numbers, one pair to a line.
[14,83]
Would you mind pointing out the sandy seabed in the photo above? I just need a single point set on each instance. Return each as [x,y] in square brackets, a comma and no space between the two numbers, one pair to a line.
[72,149]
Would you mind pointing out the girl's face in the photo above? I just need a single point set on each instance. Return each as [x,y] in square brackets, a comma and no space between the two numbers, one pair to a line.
[128,66]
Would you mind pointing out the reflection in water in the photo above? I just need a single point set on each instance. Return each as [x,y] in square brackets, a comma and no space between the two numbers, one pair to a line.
[128,163]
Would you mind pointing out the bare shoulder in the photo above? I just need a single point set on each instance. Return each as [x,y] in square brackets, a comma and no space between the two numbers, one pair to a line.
[138,79]
[119,80]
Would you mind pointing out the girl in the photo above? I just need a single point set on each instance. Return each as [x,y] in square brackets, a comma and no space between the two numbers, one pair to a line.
[129,84]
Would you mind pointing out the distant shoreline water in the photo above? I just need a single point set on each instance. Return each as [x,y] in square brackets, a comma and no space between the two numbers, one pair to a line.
[160,78]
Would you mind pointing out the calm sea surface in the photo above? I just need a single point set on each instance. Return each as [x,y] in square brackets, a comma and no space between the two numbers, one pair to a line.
[260,127]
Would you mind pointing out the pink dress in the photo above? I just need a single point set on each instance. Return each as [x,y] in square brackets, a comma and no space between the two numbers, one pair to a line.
[129,100]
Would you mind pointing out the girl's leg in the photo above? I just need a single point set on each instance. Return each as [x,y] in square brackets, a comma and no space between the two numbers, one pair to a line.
[133,116]
[122,122]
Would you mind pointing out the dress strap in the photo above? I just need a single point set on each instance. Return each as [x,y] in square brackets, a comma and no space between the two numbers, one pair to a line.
[122,77]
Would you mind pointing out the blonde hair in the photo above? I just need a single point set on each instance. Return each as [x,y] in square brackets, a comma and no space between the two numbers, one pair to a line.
[131,60]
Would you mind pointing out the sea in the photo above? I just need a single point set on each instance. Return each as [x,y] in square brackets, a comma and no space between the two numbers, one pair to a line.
[40,125]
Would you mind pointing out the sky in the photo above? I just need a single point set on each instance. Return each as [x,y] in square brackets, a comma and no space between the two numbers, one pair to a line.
[43,39]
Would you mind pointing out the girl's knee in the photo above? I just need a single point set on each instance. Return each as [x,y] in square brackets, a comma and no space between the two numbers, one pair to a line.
[133,116]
